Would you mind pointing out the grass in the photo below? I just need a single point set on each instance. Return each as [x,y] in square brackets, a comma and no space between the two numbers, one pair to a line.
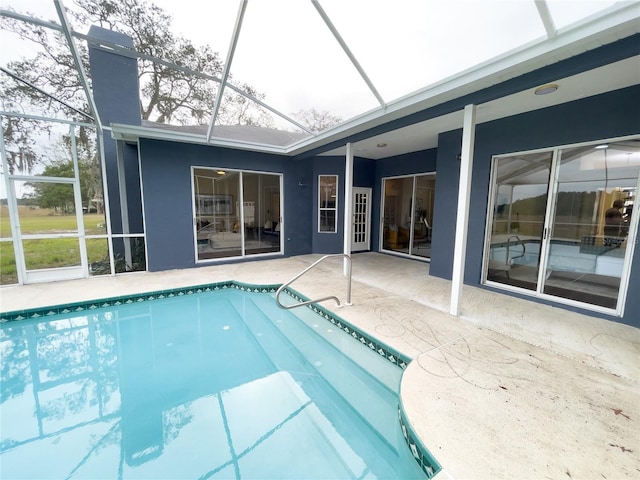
[39,220]
[51,252]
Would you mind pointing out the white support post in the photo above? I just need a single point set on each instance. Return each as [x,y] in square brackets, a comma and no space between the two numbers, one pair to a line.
[348,207]
[77,197]
[464,196]
[124,203]
[12,205]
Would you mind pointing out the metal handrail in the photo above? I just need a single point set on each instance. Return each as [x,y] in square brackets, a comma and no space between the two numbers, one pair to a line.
[524,248]
[285,285]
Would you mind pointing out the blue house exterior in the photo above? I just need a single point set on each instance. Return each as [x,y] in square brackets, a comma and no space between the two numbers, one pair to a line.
[159,172]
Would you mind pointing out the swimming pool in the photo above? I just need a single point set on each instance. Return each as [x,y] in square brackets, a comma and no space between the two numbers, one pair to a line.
[206,382]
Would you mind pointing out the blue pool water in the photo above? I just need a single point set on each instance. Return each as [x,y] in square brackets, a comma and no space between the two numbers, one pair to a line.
[204,386]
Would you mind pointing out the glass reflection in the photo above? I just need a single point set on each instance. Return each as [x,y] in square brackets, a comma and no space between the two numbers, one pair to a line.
[591,220]
[520,200]
[222,228]
[408,214]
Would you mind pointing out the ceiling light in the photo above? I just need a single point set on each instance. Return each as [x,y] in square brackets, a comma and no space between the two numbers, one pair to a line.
[601,147]
[546,89]
[221,172]
[381,145]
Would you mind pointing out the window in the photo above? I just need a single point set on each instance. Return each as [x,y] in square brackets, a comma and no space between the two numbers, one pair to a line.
[328,203]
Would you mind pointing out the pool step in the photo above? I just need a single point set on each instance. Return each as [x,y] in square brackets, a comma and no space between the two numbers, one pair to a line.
[367,396]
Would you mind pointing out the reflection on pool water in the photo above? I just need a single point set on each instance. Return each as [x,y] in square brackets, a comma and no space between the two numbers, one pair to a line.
[563,256]
[209,385]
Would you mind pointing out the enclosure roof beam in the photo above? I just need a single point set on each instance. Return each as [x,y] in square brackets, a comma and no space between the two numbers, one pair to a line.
[546,17]
[77,61]
[348,52]
[35,87]
[131,133]
[227,66]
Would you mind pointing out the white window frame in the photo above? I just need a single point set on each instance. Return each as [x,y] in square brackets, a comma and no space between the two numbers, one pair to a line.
[334,208]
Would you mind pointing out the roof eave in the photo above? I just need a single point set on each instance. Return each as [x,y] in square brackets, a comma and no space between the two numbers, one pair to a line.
[131,133]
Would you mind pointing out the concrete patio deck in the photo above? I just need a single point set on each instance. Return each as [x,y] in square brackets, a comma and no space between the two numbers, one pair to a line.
[511,389]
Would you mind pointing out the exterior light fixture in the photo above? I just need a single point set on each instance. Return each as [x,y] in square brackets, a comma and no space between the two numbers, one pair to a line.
[546,89]
[381,145]
[604,146]
[221,172]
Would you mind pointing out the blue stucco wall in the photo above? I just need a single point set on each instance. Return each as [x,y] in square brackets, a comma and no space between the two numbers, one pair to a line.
[446,204]
[604,116]
[166,173]
[364,172]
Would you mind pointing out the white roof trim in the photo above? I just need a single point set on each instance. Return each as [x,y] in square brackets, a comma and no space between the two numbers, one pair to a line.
[131,133]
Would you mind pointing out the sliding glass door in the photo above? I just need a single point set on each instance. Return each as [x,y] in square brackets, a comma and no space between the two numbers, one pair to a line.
[408,214]
[562,222]
[519,205]
[586,257]
[261,201]
[236,213]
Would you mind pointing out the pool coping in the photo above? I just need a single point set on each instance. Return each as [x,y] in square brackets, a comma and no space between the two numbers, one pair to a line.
[427,463]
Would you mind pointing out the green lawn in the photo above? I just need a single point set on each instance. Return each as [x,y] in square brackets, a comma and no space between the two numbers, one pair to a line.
[53,252]
[44,221]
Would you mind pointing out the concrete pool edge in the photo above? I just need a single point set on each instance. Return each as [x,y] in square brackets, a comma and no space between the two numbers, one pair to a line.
[421,454]
[39,312]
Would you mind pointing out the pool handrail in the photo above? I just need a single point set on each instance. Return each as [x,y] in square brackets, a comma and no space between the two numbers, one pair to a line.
[524,248]
[331,297]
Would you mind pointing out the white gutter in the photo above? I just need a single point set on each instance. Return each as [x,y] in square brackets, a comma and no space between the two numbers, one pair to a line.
[131,133]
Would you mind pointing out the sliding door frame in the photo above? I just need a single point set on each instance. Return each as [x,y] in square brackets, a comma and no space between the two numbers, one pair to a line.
[411,247]
[238,205]
[549,223]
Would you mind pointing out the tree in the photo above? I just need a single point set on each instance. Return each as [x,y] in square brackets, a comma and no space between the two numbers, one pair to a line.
[167,95]
[50,70]
[316,121]
[19,145]
[60,196]
[88,165]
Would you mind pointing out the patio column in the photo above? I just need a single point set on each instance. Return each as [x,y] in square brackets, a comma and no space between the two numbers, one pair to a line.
[464,196]
[348,207]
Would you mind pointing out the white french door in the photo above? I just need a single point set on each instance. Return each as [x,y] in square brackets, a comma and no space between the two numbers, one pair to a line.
[361,219]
